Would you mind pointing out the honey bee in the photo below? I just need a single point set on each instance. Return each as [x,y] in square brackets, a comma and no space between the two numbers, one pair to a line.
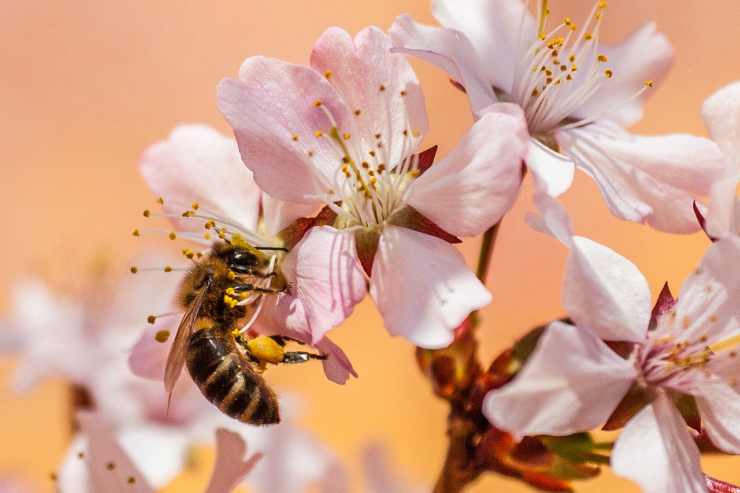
[218,293]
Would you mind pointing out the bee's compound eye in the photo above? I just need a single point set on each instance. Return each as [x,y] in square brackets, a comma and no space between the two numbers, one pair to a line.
[242,261]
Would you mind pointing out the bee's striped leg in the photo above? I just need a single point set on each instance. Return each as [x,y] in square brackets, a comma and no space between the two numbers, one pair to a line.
[294,357]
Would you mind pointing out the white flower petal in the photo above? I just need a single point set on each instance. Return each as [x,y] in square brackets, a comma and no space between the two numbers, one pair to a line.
[656,451]
[646,179]
[475,185]
[721,113]
[231,465]
[602,290]
[422,287]
[553,173]
[572,382]
[646,55]
[199,164]
[499,31]
[719,407]
[449,50]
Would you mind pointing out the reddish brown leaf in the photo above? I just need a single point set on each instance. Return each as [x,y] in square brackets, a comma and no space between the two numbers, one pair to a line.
[366,243]
[636,399]
[296,231]
[426,158]
[663,304]
[410,218]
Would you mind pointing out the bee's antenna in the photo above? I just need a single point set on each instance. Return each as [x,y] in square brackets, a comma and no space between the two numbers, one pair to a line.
[269,248]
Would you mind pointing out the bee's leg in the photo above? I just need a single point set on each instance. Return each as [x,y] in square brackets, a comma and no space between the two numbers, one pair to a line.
[294,357]
[259,274]
[255,289]
[281,340]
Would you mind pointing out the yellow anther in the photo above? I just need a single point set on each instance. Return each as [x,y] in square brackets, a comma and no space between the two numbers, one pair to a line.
[346,136]
[318,133]
[188,253]
[568,77]
[381,88]
[414,173]
[160,201]
[209,224]
[136,232]
[151,319]
[381,168]
[172,236]
[588,37]
[535,92]
[317,103]
[563,68]
[602,58]
[416,133]
[162,335]
[572,58]
[195,206]
[328,74]
[229,301]
[405,133]
[403,93]
[609,73]
[134,269]
[294,137]
[372,153]
[574,68]
[188,214]
[207,235]
[310,153]
[365,164]
[232,275]
[358,112]
[713,318]
[649,83]
[168,268]
[146,213]
[230,291]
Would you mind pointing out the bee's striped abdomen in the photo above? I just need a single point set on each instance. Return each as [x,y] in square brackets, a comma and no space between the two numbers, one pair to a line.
[227,380]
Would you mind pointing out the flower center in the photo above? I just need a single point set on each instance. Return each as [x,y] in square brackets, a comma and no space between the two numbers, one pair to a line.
[562,70]
[680,362]
[367,191]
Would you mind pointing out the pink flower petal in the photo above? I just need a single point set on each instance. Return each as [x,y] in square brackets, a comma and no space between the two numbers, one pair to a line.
[449,50]
[707,304]
[381,85]
[498,30]
[646,179]
[422,287]
[656,451]
[326,277]
[721,113]
[279,214]
[198,164]
[232,464]
[274,111]
[603,291]
[149,356]
[719,407]
[553,173]
[571,383]
[286,316]
[475,185]
[380,474]
[723,215]
[646,55]
[103,450]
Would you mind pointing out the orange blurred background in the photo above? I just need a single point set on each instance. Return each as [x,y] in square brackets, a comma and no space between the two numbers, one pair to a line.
[87,85]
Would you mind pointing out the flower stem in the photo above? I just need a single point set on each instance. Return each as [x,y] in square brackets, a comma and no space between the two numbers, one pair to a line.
[486,251]
[461,466]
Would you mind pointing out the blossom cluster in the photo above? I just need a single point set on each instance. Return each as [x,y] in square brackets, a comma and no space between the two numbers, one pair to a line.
[327,178]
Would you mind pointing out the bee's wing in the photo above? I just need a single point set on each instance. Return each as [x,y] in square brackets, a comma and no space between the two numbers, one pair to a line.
[176,358]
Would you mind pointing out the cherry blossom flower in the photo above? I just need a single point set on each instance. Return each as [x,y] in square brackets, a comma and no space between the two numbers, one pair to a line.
[577,95]
[200,167]
[722,115]
[574,381]
[344,133]
[109,468]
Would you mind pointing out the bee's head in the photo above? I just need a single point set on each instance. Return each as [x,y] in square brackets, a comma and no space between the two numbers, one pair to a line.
[238,259]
